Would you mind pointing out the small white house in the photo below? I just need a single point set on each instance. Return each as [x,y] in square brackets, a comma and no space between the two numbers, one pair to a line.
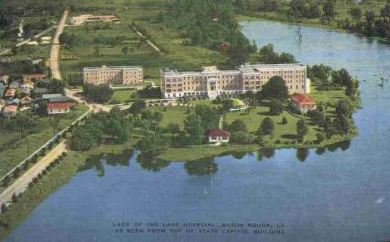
[219,136]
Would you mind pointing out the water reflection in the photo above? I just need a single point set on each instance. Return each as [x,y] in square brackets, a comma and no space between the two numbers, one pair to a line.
[97,161]
[302,154]
[150,163]
[201,167]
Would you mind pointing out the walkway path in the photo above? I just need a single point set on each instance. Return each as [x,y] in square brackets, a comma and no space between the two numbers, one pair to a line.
[149,42]
[21,184]
[55,48]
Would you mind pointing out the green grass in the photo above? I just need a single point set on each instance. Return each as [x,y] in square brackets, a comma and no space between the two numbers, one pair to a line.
[172,115]
[282,132]
[198,152]
[122,96]
[22,148]
[179,56]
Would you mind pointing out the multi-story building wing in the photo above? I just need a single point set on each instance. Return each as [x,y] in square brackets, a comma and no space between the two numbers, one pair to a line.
[212,82]
[127,75]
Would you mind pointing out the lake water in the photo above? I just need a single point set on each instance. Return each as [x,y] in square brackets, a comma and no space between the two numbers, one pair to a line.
[340,195]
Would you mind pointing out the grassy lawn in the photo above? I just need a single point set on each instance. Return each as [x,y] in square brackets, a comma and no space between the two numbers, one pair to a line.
[21,148]
[202,151]
[121,96]
[172,115]
[282,132]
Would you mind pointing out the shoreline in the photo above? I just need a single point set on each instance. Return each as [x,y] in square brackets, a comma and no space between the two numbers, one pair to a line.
[248,18]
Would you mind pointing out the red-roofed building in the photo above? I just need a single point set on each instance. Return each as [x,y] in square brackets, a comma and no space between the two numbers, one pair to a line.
[219,136]
[58,108]
[10,110]
[303,103]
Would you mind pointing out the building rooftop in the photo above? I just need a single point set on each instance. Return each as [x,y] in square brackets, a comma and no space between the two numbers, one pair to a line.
[219,133]
[113,67]
[259,67]
[302,99]
[58,105]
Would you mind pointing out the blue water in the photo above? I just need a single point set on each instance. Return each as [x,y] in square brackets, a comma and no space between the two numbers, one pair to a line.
[341,195]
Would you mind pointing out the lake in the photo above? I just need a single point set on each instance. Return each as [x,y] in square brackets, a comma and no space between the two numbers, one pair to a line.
[338,194]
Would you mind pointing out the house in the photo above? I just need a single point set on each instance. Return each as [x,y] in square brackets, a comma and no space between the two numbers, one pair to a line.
[218,136]
[10,110]
[58,108]
[33,77]
[10,93]
[302,103]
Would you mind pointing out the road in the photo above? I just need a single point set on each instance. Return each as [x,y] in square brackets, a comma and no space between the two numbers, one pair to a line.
[21,184]
[55,48]
[75,94]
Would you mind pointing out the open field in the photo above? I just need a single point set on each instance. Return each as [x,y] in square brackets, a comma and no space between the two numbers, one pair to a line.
[18,149]
[102,43]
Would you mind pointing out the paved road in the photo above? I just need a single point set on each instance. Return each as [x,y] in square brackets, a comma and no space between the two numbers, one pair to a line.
[21,184]
[55,48]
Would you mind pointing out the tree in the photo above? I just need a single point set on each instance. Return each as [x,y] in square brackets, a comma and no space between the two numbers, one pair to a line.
[320,138]
[328,9]
[238,126]
[275,107]
[173,128]
[343,108]
[275,88]
[301,129]
[284,120]
[137,107]
[98,93]
[193,126]
[341,123]
[267,127]
[125,50]
[356,13]
[241,137]
[158,116]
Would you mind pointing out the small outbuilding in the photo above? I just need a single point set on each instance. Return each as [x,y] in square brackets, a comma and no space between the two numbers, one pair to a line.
[218,136]
[58,108]
[303,103]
